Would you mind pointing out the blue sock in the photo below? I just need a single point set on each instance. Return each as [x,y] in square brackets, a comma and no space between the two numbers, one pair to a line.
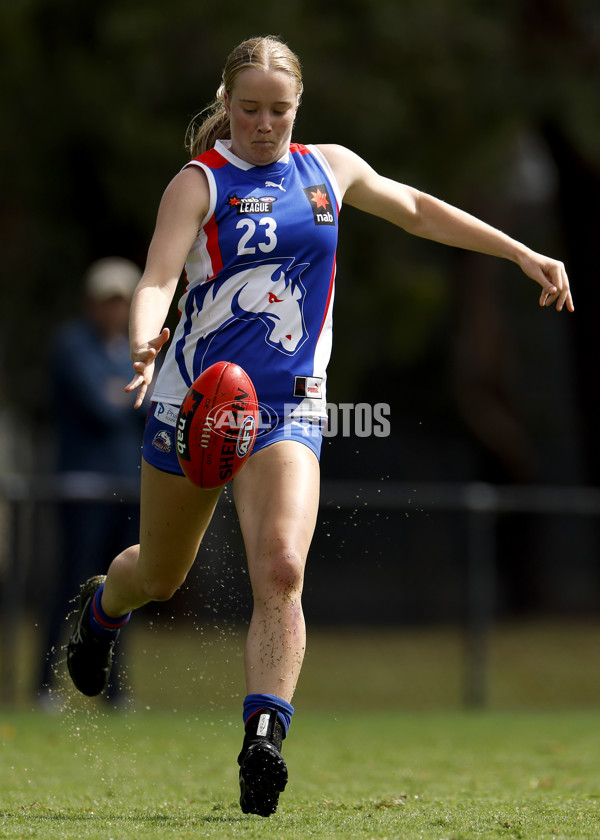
[255,702]
[102,624]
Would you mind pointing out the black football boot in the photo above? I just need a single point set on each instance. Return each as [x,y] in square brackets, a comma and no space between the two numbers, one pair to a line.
[263,772]
[89,657]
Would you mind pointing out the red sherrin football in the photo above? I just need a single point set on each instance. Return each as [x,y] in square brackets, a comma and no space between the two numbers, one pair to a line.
[217,425]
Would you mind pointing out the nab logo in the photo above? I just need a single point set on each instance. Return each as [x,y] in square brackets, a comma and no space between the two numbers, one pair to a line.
[320,204]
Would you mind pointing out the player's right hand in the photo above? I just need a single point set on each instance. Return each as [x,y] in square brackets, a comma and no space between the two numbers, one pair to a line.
[144,358]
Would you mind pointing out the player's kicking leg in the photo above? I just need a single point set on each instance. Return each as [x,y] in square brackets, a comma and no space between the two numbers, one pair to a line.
[174,518]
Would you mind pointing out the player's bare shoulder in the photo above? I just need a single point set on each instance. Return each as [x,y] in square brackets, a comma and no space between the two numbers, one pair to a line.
[188,193]
[347,166]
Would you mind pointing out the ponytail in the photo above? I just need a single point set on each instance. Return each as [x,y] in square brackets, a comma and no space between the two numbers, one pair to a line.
[208,126]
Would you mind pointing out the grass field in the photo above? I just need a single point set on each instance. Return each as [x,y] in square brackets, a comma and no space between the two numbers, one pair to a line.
[380,748]
[389,775]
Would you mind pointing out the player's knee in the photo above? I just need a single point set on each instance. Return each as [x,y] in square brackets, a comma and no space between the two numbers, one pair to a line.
[283,571]
[161,589]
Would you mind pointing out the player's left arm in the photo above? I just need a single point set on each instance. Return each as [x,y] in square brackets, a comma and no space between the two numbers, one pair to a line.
[430,218]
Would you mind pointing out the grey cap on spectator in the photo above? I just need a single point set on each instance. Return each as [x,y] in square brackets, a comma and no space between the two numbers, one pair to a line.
[111,277]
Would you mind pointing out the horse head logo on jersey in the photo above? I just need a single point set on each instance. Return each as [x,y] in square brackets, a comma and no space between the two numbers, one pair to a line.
[271,292]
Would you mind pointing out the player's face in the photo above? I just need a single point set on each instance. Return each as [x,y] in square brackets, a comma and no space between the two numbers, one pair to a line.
[261,106]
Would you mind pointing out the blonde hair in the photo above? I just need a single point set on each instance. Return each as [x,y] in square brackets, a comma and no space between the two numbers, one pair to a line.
[264,53]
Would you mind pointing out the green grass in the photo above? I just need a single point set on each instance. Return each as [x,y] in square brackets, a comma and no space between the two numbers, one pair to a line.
[380,748]
[429,775]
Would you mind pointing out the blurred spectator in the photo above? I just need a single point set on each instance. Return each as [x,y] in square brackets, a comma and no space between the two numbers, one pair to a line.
[97,432]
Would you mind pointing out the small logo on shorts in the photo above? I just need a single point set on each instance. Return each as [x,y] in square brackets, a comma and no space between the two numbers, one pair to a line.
[166,413]
[308,386]
[163,441]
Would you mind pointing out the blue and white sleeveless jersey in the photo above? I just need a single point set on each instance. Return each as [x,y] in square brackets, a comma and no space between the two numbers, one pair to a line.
[260,281]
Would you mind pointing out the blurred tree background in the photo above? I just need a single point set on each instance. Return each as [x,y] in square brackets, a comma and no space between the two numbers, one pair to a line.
[491,105]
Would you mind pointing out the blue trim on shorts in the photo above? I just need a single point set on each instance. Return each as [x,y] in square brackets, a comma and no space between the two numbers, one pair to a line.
[308,432]
[159,450]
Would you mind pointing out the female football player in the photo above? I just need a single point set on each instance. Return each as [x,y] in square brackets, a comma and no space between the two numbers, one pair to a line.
[253,220]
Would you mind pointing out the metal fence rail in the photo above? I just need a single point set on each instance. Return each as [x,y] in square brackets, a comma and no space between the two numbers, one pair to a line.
[480,503]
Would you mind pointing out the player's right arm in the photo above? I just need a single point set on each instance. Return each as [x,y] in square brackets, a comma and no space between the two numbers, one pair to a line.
[180,215]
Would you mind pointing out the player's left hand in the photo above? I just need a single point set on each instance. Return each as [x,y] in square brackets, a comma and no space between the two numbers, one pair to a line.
[552,277]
